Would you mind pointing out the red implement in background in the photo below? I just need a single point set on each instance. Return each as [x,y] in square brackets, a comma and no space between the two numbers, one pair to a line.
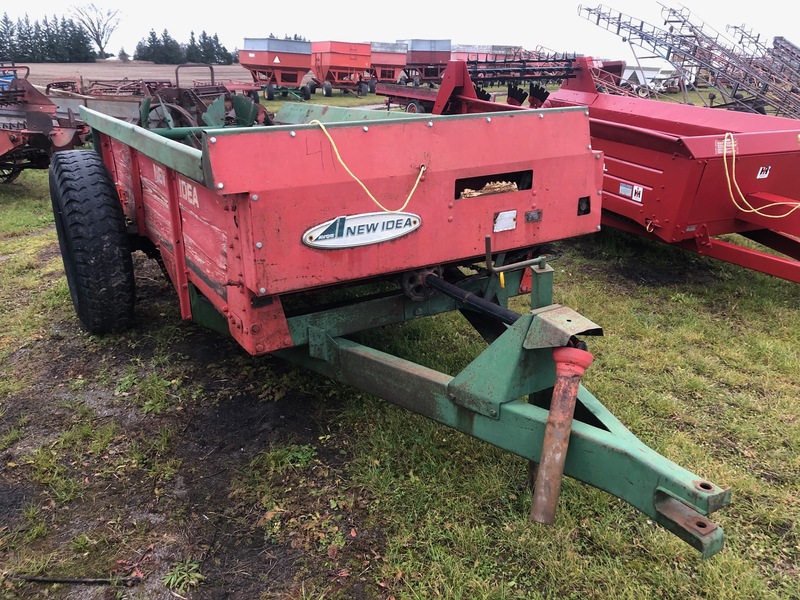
[388,62]
[426,61]
[277,65]
[32,127]
[682,174]
[342,66]
[687,174]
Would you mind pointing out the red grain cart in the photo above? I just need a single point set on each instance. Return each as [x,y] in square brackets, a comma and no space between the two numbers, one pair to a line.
[388,62]
[426,61]
[278,66]
[687,175]
[342,66]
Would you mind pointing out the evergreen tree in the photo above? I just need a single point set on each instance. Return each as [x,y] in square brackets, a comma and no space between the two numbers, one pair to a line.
[148,49]
[55,50]
[193,52]
[142,51]
[171,51]
[206,48]
[78,43]
[221,54]
[37,51]
[8,32]
[23,40]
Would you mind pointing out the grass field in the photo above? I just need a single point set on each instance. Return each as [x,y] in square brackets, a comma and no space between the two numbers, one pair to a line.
[167,459]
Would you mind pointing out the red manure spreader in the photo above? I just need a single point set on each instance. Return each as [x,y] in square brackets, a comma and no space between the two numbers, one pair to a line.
[293,237]
[693,176]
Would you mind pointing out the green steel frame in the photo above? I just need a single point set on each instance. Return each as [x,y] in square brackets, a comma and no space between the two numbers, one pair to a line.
[502,397]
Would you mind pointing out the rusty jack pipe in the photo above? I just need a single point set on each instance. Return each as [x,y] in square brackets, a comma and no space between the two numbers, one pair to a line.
[570,366]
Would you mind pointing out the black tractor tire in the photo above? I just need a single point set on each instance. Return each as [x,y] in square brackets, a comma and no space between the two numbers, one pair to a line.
[363,88]
[414,106]
[306,92]
[93,239]
[327,89]
[269,92]
[372,86]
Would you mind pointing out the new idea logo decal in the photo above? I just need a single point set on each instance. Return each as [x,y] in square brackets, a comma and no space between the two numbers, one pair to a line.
[363,229]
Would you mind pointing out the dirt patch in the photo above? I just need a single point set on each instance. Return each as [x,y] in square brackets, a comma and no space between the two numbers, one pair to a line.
[232,473]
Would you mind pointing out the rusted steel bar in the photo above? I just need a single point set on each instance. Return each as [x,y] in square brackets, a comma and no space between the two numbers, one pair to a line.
[570,366]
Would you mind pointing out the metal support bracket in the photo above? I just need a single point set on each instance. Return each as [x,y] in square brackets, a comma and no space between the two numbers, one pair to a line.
[554,325]
[511,367]
[323,346]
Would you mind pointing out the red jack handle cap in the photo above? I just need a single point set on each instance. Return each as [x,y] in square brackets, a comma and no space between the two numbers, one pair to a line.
[571,362]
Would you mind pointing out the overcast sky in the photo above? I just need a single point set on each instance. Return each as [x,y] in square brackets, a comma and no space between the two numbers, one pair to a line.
[556,25]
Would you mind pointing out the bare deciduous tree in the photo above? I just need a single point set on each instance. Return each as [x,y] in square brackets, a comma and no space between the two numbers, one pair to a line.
[99,23]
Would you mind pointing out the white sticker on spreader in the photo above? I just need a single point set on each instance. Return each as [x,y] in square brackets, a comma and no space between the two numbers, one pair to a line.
[505,221]
[763,172]
[726,147]
[634,192]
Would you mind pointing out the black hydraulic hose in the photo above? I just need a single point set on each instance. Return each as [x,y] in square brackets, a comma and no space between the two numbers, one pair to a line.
[473,301]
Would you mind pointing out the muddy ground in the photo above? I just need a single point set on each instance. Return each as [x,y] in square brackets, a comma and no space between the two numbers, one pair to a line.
[190,481]
[179,483]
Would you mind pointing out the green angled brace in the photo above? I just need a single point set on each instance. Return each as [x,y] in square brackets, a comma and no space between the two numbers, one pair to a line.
[602,452]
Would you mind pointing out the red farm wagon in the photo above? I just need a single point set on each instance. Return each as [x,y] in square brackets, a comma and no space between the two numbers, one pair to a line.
[342,66]
[426,61]
[278,66]
[388,62]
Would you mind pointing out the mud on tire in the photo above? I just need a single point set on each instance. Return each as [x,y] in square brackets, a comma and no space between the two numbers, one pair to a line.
[93,240]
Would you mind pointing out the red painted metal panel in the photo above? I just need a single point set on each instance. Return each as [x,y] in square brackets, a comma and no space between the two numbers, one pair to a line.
[341,55]
[258,59]
[300,184]
[688,173]
[388,59]
[346,48]
[427,57]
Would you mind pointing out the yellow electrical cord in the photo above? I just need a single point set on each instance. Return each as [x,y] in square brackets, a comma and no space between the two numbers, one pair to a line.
[422,169]
[731,178]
